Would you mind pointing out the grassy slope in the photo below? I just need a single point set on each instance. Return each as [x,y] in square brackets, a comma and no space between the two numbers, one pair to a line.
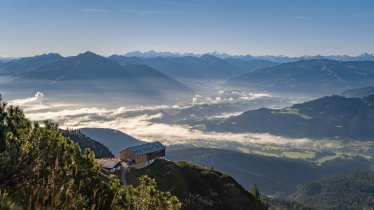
[85,142]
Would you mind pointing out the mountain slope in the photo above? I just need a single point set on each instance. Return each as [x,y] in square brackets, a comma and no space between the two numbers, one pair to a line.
[353,190]
[251,65]
[89,66]
[272,175]
[334,117]
[113,139]
[22,65]
[84,66]
[197,188]
[97,77]
[312,76]
[85,142]
[359,92]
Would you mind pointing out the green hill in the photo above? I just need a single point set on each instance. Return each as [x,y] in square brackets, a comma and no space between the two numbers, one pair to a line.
[196,187]
[346,191]
[283,204]
[333,117]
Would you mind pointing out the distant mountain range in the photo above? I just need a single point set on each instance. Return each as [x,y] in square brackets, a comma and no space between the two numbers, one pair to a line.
[309,76]
[204,67]
[14,67]
[273,58]
[333,117]
[88,73]
[89,66]
[152,78]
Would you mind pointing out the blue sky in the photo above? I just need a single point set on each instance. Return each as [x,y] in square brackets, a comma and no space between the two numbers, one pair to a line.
[257,27]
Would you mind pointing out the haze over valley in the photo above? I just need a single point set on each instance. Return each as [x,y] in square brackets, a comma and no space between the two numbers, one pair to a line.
[187,104]
[194,111]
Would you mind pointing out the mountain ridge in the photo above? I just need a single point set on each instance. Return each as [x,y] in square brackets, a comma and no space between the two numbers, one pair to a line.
[91,74]
[330,117]
[321,76]
[274,58]
[203,67]
[22,65]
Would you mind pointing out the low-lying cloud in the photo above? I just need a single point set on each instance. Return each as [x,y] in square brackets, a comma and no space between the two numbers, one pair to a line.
[146,123]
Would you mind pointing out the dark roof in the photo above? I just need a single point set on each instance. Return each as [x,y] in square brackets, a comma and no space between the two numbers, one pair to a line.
[146,148]
[109,163]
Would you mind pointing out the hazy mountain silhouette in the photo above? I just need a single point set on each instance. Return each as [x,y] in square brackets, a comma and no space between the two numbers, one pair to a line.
[204,67]
[319,76]
[91,73]
[250,65]
[22,65]
[272,58]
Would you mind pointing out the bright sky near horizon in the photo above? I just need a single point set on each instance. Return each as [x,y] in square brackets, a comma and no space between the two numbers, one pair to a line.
[257,27]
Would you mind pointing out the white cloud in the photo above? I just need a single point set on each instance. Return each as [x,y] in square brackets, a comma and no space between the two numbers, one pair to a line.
[38,98]
[147,123]
[142,127]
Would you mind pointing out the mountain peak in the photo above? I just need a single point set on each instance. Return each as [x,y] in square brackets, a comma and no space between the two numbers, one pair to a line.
[90,56]
[209,56]
[88,53]
[50,55]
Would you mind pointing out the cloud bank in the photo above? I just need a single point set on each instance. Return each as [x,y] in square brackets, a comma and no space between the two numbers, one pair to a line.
[148,123]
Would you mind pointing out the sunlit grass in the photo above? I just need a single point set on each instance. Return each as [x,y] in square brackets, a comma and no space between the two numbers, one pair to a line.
[256,152]
[292,111]
[299,155]
[276,148]
[244,150]
[265,154]
[327,158]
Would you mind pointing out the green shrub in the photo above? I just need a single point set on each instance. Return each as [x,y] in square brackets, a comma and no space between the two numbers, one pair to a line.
[39,168]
